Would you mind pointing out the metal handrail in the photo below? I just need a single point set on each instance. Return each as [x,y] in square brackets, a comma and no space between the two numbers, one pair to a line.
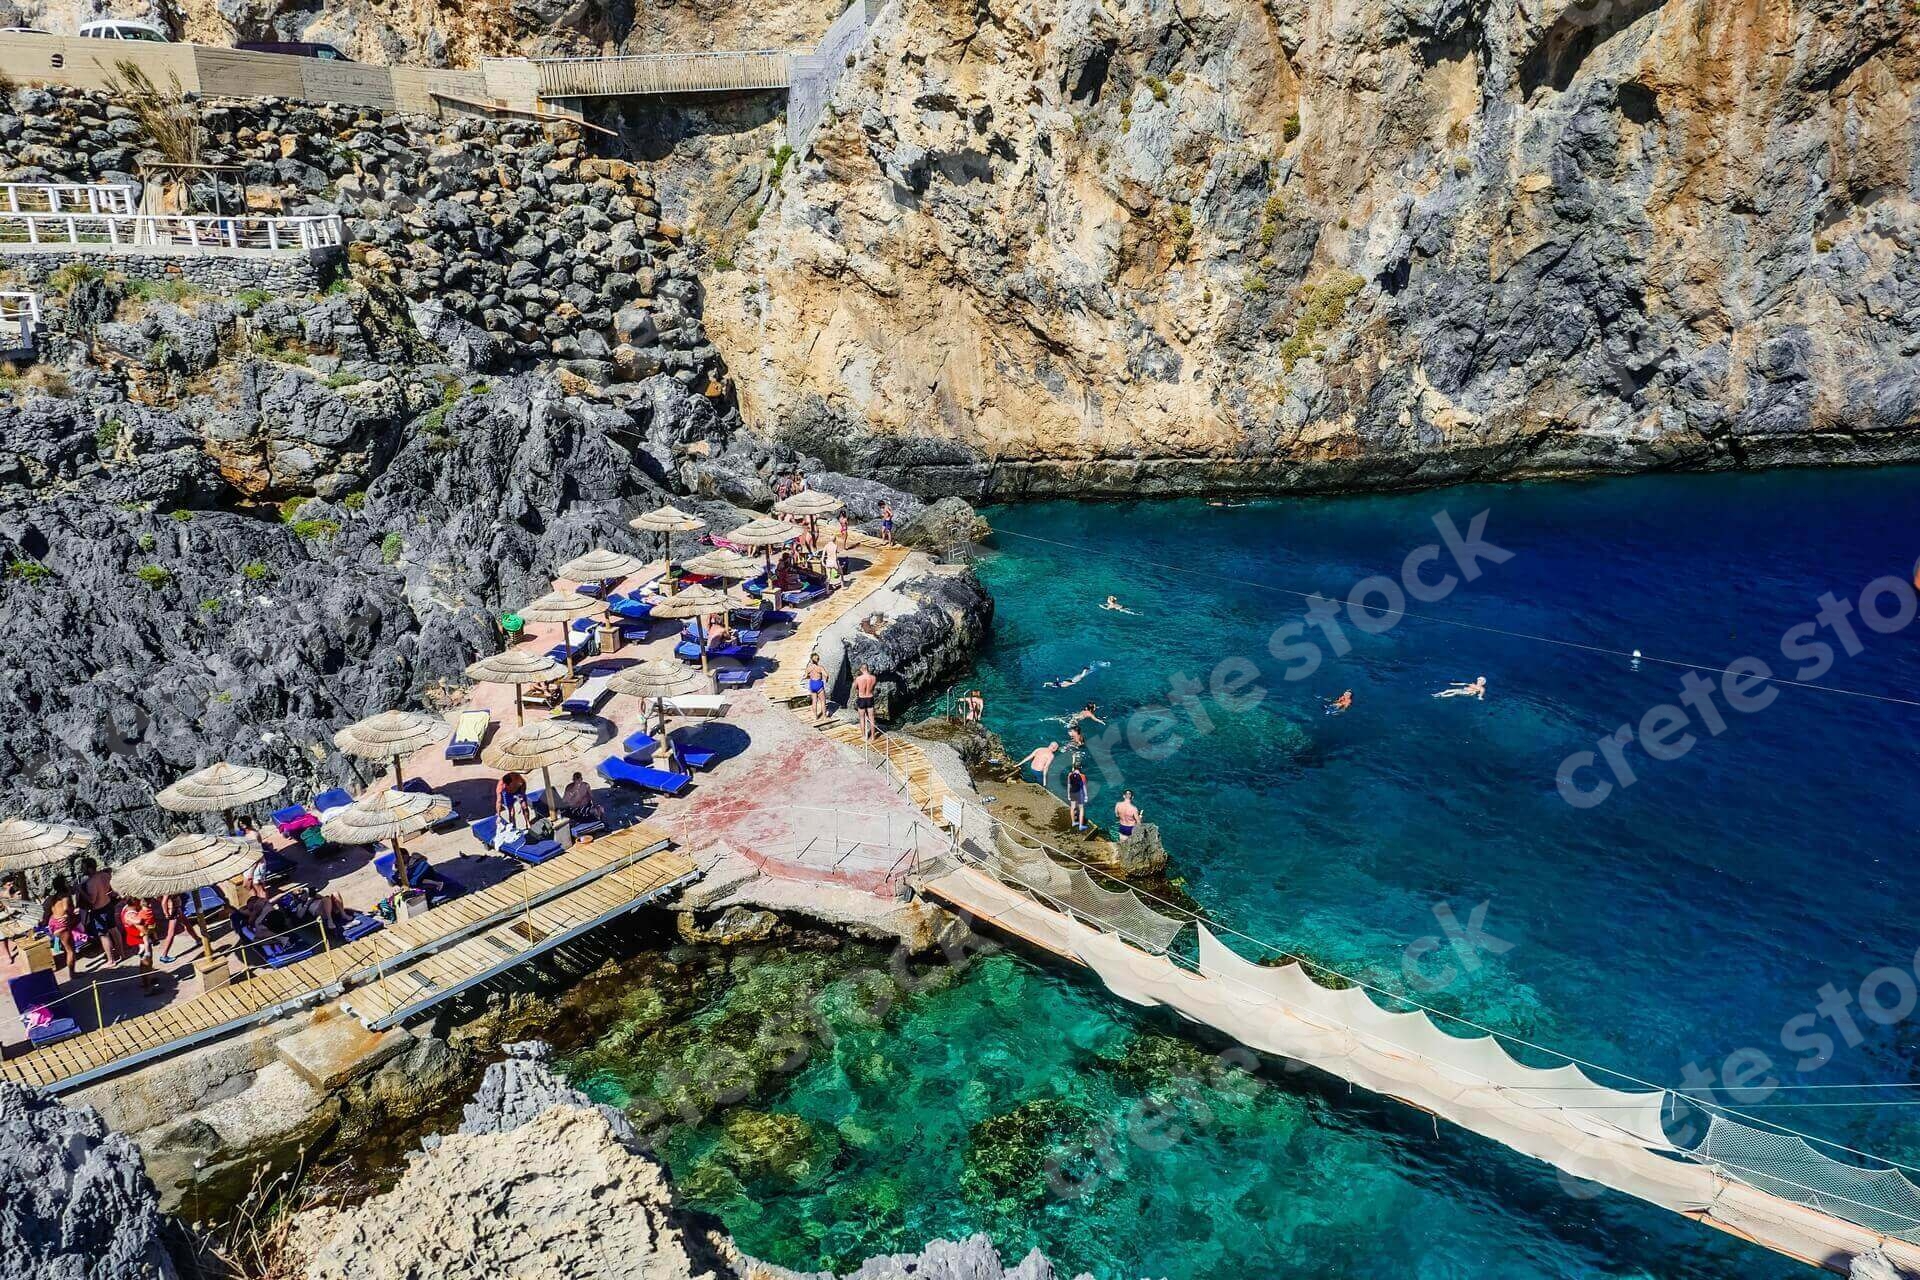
[120,198]
[644,57]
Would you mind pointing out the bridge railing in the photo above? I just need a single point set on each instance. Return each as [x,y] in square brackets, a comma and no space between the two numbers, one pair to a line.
[19,320]
[716,71]
[189,232]
[69,197]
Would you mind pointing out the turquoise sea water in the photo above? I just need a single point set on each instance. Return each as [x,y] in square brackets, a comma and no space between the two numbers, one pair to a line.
[1684,918]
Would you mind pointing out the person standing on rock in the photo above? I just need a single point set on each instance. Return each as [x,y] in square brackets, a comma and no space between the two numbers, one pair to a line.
[846,533]
[1077,796]
[1040,760]
[817,687]
[886,523]
[1126,814]
[864,685]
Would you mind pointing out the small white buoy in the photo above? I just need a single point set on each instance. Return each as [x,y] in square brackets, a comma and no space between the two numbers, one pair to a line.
[1636,659]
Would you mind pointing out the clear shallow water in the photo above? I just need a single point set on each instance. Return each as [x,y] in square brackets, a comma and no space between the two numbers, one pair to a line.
[1684,918]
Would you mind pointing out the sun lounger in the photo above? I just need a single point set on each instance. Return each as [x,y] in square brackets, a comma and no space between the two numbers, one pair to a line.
[639,745]
[205,901]
[581,647]
[530,851]
[294,819]
[695,757]
[278,952]
[468,734]
[630,607]
[359,924]
[696,705]
[417,868]
[736,677]
[593,691]
[644,777]
[586,826]
[420,786]
[327,801]
[32,994]
[809,595]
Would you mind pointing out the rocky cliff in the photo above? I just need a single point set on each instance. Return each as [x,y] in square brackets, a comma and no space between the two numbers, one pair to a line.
[539,1181]
[1121,246]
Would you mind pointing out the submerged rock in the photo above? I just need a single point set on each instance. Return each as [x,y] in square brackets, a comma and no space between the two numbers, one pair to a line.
[75,1200]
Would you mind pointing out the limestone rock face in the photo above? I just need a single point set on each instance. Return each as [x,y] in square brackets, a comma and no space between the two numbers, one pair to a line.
[78,1203]
[1106,247]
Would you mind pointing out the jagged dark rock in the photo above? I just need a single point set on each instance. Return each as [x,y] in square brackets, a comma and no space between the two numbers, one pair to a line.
[75,1200]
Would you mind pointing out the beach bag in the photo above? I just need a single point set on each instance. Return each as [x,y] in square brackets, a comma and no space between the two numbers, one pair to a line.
[539,830]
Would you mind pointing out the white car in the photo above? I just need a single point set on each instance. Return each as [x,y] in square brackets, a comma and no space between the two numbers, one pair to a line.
[124,29]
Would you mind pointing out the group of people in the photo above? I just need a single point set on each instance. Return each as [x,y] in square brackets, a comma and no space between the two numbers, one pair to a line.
[513,810]
[76,913]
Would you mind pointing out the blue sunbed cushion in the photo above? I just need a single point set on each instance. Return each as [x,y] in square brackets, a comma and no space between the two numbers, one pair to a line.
[337,798]
[288,814]
[644,777]
[695,757]
[359,925]
[205,900]
[416,867]
[639,743]
[58,1029]
[531,851]
[736,677]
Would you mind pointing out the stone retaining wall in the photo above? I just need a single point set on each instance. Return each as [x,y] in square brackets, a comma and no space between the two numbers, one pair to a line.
[222,274]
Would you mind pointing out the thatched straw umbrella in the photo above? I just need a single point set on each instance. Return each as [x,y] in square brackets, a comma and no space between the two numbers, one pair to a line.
[601,566]
[221,788]
[388,815]
[392,736]
[667,521]
[26,845]
[541,745]
[658,679]
[187,864]
[694,602]
[516,667]
[810,504]
[561,607]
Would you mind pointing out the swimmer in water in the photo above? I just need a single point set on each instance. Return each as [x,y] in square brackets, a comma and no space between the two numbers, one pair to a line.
[1089,712]
[1460,689]
[1067,682]
[1341,704]
[1114,604]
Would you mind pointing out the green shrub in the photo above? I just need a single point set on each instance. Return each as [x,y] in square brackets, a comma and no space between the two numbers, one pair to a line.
[390,548]
[335,381]
[106,436]
[28,571]
[1322,304]
[251,300]
[165,290]
[62,280]
[781,156]
[338,286]
[181,516]
[1157,87]
[273,347]
[723,263]
[255,571]
[144,542]
[153,575]
[1177,78]
[1822,245]
[355,501]
[314,530]
[212,605]
[1256,284]
[1182,231]
[290,509]
[1462,166]
[1290,128]
[1270,219]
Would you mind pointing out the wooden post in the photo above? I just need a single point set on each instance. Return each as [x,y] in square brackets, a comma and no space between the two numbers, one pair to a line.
[99,1018]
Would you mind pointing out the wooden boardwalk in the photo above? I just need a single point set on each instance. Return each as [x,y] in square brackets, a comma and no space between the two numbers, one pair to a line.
[789,682]
[925,786]
[635,860]
[716,71]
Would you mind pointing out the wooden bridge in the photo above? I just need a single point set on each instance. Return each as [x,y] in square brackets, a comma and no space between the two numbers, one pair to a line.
[641,74]
[395,973]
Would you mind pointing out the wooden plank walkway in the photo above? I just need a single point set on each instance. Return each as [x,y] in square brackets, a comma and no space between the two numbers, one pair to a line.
[925,786]
[271,993]
[789,682]
[411,991]
[717,71]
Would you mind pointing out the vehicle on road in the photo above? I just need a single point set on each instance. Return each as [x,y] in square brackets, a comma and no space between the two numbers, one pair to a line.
[124,29]
[297,48]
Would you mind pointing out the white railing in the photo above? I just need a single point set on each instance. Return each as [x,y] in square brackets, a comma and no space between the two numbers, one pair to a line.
[19,321]
[69,197]
[192,232]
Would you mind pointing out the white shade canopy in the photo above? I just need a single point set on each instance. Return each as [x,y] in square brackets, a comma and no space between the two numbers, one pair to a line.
[657,678]
[391,735]
[809,502]
[26,844]
[559,606]
[540,745]
[386,815]
[516,666]
[764,532]
[695,602]
[219,788]
[600,564]
[186,863]
[668,519]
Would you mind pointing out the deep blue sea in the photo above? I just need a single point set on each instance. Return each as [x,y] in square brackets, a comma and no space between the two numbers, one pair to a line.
[1683,918]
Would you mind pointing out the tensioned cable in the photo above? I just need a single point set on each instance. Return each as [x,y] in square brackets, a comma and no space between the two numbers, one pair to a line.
[1456,622]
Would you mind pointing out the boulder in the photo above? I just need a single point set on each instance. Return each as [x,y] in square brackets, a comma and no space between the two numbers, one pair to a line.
[78,1202]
